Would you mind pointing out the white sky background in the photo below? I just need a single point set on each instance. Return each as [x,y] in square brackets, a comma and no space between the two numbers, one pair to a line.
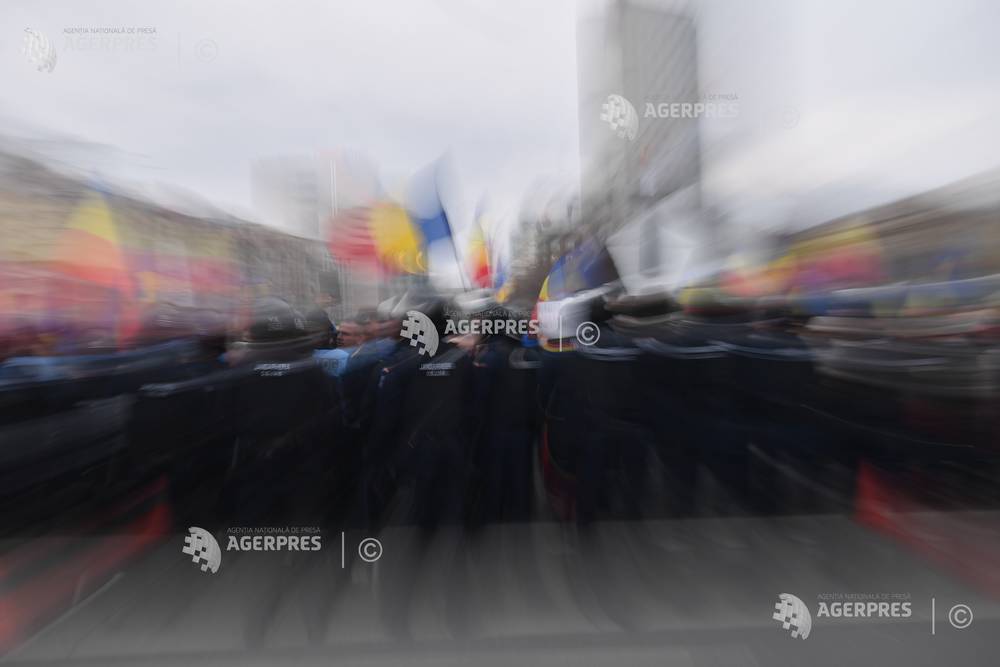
[885,97]
[493,83]
[845,104]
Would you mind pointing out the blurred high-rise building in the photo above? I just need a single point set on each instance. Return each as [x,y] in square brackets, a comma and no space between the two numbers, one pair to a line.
[347,180]
[300,194]
[644,172]
[286,194]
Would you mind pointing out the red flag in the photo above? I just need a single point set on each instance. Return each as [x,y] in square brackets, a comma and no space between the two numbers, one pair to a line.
[350,237]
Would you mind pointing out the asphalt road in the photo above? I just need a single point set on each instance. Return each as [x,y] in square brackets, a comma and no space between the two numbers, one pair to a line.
[686,592]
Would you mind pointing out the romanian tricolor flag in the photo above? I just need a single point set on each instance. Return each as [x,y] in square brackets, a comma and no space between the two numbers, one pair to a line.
[97,281]
[387,237]
[501,283]
[585,267]
[382,238]
[423,201]
[89,249]
[554,286]
[553,290]
[478,258]
[399,243]
[350,239]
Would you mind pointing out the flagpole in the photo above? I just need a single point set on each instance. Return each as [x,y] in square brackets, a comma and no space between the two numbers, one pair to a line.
[333,185]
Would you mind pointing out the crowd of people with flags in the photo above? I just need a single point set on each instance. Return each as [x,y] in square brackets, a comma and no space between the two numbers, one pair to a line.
[388,237]
[811,383]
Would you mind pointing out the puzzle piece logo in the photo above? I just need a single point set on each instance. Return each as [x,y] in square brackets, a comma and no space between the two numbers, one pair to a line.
[39,50]
[620,115]
[203,549]
[793,615]
[421,332]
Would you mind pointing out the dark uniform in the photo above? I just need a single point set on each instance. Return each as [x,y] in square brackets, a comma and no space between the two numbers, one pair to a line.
[437,416]
[286,412]
[506,393]
[380,421]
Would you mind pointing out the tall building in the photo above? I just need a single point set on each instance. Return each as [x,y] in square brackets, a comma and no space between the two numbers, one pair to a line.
[646,54]
[348,180]
[300,194]
[285,193]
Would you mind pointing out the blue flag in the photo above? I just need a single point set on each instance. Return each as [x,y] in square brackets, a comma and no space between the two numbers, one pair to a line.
[425,207]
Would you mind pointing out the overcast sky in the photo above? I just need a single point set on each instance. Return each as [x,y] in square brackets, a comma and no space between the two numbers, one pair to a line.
[843,103]
[226,82]
[846,103]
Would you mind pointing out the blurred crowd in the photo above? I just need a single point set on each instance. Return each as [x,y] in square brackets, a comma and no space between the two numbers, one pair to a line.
[673,404]
[156,374]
